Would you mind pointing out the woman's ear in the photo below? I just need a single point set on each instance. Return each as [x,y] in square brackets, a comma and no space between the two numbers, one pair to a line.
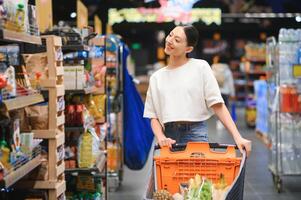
[189,49]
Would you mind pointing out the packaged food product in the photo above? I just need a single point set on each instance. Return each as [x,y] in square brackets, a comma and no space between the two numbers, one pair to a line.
[38,116]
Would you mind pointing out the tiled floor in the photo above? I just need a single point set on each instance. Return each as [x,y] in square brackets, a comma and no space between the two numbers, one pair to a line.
[258,179]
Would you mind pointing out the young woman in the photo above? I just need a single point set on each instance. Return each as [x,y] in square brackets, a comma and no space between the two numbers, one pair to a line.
[184,94]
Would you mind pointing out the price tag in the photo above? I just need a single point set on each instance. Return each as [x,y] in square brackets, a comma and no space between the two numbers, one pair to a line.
[297,71]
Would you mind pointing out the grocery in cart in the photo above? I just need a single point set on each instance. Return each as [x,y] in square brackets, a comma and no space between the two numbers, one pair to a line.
[197,171]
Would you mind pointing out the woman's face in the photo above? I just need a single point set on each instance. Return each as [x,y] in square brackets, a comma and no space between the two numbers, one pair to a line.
[176,43]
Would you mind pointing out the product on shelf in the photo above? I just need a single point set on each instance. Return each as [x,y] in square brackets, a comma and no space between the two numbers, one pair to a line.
[10,54]
[18,16]
[113,157]
[36,68]
[88,149]
[37,116]
[96,105]
[289,44]
[74,115]
[289,99]
[74,77]
[255,51]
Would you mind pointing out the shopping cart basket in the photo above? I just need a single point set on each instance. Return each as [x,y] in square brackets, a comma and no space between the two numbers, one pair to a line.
[174,166]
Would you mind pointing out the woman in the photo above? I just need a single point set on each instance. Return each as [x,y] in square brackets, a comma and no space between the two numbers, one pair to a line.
[182,95]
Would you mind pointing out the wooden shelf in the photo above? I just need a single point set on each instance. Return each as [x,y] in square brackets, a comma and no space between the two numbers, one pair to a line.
[72,170]
[261,60]
[23,101]
[75,48]
[45,134]
[40,184]
[92,90]
[13,36]
[19,173]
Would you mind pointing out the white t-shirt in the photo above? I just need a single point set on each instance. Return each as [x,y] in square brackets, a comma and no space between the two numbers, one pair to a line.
[185,93]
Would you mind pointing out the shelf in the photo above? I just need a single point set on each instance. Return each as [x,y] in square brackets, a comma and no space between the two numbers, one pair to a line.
[51,185]
[19,173]
[23,101]
[72,170]
[13,36]
[74,129]
[92,90]
[256,60]
[76,47]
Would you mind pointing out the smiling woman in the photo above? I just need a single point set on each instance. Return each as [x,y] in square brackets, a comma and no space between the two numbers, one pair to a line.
[182,95]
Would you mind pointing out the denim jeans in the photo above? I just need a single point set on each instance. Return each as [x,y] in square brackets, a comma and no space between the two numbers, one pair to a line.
[184,132]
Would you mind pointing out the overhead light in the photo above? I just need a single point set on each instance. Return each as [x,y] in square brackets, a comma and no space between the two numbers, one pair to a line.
[298,18]
[73,15]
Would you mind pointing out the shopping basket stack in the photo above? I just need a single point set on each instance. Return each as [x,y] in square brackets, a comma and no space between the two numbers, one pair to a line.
[173,167]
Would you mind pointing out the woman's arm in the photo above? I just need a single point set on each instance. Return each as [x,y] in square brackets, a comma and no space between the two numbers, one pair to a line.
[223,114]
[158,131]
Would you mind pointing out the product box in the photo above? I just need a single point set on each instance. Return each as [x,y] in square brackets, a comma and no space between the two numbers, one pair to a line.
[74,77]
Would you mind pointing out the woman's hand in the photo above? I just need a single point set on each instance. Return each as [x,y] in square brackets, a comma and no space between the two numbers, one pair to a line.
[166,142]
[243,143]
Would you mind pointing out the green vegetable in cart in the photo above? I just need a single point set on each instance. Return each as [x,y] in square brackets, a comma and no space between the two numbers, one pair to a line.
[206,192]
[199,189]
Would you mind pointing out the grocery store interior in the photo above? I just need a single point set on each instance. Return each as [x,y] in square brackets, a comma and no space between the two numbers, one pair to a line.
[74,78]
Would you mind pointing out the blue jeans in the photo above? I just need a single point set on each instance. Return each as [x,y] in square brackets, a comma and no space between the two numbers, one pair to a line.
[184,132]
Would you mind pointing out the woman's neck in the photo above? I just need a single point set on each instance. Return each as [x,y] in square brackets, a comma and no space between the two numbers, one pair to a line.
[176,61]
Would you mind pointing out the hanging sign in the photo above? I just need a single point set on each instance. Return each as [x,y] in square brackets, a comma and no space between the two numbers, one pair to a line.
[97,25]
[44,14]
[140,15]
[82,15]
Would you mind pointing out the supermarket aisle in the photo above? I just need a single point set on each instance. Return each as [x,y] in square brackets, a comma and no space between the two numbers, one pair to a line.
[258,180]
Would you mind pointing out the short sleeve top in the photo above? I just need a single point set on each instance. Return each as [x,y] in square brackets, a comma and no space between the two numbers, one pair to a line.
[185,93]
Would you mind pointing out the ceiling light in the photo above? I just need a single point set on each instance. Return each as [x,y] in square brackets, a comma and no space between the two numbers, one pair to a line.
[298,18]
[73,15]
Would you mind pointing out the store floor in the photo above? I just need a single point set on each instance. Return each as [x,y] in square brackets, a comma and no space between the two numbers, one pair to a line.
[258,180]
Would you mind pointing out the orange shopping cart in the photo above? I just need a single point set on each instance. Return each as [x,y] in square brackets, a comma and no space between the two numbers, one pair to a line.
[175,166]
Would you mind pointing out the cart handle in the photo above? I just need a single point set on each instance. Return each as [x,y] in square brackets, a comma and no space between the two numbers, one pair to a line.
[181,146]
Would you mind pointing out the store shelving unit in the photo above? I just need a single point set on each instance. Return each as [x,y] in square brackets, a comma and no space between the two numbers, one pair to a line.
[55,184]
[93,172]
[23,168]
[252,75]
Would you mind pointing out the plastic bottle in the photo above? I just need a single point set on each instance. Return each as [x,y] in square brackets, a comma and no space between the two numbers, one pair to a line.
[20,17]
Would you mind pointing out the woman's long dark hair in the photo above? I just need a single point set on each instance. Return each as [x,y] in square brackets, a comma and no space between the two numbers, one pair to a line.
[192,36]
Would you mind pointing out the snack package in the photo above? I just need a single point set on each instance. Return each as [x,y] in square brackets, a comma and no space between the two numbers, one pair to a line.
[36,67]
[88,149]
[100,103]
[38,116]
